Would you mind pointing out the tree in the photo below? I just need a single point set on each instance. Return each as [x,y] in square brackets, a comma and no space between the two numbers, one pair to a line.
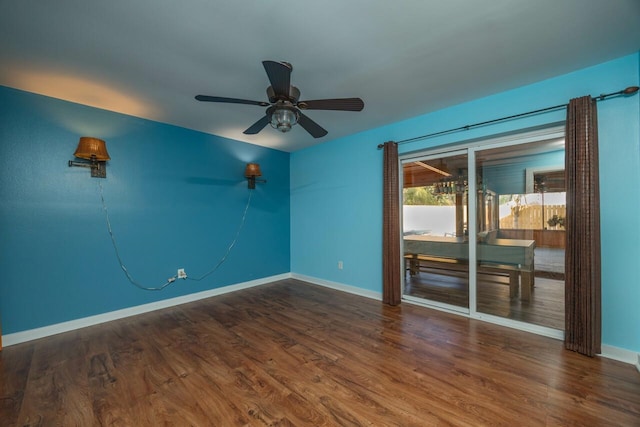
[425,196]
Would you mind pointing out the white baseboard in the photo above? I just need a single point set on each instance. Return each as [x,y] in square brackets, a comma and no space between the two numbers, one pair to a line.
[339,286]
[33,334]
[621,355]
[610,352]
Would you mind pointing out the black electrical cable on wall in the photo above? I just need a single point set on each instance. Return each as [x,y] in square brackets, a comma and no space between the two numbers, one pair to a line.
[173,278]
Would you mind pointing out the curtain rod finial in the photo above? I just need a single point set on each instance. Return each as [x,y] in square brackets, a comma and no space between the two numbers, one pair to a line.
[380,146]
[630,90]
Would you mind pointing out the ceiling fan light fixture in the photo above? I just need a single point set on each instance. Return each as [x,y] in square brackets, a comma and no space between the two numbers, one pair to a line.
[283,119]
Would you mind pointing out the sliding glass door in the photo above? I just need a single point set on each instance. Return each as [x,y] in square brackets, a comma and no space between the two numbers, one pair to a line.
[435,233]
[483,230]
[521,206]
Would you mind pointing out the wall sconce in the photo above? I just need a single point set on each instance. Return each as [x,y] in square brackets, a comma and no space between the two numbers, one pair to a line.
[95,151]
[251,172]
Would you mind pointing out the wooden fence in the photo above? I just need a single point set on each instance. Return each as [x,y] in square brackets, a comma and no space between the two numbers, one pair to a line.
[534,217]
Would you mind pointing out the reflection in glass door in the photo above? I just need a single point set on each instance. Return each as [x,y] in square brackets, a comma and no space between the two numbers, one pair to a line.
[521,207]
[435,230]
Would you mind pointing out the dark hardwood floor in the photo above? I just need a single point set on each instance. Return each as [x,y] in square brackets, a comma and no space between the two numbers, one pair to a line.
[291,353]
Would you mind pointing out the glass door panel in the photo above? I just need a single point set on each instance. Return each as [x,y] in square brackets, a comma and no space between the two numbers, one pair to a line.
[435,236]
[520,211]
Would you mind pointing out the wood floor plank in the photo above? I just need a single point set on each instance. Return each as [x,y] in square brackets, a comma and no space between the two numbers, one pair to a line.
[57,384]
[291,353]
[14,373]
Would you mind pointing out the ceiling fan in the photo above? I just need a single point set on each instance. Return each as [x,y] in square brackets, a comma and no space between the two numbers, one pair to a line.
[284,110]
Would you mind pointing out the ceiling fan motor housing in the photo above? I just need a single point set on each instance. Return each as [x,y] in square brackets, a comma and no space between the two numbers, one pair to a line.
[294,95]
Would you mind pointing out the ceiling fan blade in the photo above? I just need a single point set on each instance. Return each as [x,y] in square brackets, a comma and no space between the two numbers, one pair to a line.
[207,98]
[310,126]
[342,104]
[279,74]
[257,126]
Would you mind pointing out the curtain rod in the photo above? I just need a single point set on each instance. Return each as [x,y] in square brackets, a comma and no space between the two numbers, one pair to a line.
[628,91]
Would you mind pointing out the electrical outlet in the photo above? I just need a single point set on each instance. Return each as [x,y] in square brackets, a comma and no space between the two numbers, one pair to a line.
[340,265]
[182,274]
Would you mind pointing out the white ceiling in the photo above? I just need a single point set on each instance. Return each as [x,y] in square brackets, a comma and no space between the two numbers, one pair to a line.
[404,58]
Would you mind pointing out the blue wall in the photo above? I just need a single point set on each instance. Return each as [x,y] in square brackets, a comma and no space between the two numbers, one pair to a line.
[510,178]
[175,198]
[336,188]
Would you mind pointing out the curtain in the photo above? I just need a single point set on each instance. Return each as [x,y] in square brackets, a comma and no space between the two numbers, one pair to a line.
[391,268]
[582,254]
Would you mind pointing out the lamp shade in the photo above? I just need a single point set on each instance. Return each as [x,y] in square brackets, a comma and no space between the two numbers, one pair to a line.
[89,146]
[252,170]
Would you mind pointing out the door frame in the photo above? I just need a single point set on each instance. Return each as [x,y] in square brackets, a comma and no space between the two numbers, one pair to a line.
[470,147]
